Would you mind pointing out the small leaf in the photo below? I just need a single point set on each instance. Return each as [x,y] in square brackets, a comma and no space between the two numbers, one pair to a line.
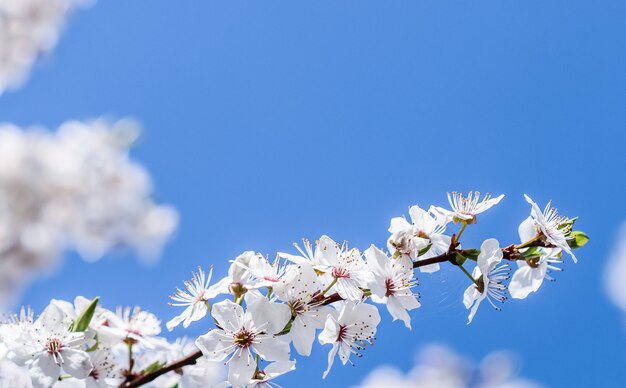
[424,250]
[84,319]
[471,254]
[95,345]
[286,329]
[152,367]
[460,259]
[578,239]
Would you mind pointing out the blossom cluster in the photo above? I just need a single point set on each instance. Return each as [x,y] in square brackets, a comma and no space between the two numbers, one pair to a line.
[28,29]
[82,344]
[324,291]
[74,188]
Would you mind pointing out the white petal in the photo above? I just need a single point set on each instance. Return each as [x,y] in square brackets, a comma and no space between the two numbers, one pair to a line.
[302,335]
[272,349]
[398,312]
[215,345]
[229,315]
[377,261]
[171,324]
[526,230]
[279,368]
[76,363]
[241,368]
[330,332]
[44,371]
[331,358]
[348,289]
[274,315]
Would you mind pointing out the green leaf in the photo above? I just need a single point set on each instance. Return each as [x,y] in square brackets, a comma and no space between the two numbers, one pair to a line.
[424,250]
[84,319]
[530,252]
[95,345]
[152,367]
[578,239]
[471,254]
[460,259]
[287,328]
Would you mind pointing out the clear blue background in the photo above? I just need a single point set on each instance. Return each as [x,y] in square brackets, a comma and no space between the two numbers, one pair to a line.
[266,122]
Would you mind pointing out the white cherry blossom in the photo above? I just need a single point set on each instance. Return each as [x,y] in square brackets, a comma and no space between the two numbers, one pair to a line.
[298,289]
[243,334]
[489,278]
[346,271]
[549,223]
[316,257]
[196,296]
[467,208]
[531,274]
[350,331]
[392,283]
[264,273]
[132,325]
[239,279]
[50,349]
[422,238]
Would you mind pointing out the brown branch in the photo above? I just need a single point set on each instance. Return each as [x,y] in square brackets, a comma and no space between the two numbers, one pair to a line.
[139,381]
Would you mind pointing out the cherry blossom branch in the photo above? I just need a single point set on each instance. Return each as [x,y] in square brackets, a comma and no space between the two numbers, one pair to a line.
[510,253]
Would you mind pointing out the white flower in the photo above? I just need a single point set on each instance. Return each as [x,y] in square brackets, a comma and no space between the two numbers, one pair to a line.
[134,326]
[76,188]
[342,267]
[105,372]
[239,279]
[530,274]
[51,348]
[393,279]
[242,333]
[196,299]
[467,208]
[355,326]
[311,257]
[264,273]
[422,238]
[29,30]
[273,370]
[346,269]
[489,278]
[549,223]
[297,289]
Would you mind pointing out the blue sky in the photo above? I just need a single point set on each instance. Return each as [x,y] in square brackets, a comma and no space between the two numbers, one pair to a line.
[266,122]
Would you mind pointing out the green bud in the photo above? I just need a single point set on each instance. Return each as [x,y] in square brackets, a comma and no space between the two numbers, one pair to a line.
[578,239]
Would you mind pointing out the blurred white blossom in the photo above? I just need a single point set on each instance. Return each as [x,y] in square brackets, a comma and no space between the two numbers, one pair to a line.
[77,189]
[28,29]
[439,367]
[616,270]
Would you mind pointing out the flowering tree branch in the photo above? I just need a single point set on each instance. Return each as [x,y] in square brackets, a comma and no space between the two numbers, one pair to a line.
[326,288]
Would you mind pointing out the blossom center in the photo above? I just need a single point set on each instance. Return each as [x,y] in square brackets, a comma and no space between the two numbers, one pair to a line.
[297,306]
[54,345]
[340,273]
[342,333]
[244,338]
[390,286]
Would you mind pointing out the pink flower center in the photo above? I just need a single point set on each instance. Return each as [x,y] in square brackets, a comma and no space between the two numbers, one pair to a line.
[340,273]
[53,345]
[390,286]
